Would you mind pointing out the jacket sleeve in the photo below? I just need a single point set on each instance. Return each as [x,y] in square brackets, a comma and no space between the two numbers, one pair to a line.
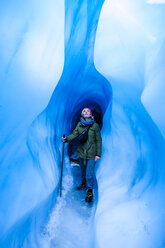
[74,134]
[98,141]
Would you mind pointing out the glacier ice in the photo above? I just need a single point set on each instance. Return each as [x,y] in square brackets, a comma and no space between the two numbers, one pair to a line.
[47,77]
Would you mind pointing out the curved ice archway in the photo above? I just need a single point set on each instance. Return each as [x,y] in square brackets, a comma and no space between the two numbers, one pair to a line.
[131,172]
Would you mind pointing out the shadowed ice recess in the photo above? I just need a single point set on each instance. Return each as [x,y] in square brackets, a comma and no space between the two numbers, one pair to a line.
[111,61]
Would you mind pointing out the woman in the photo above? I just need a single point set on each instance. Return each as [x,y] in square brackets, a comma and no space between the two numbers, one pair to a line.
[89,151]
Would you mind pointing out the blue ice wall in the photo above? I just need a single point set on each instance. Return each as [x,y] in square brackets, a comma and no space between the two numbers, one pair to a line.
[129,39]
[47,77]
[28,35]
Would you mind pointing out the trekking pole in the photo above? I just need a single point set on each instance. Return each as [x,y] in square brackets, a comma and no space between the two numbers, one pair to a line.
[62,166]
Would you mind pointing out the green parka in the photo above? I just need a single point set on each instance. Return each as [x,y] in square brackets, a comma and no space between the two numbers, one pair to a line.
[93,146]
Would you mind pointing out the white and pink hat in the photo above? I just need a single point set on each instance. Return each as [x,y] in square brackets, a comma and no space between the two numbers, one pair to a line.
[88,109]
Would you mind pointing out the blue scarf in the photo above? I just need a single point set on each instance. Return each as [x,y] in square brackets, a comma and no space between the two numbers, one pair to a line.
[86,123]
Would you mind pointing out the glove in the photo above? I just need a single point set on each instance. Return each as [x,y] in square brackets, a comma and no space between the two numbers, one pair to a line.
[64,139]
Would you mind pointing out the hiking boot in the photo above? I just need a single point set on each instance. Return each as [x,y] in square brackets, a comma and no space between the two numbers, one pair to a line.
[82,186]
[89,195]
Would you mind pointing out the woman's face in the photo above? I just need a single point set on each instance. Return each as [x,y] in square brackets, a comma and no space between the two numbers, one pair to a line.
[86,113]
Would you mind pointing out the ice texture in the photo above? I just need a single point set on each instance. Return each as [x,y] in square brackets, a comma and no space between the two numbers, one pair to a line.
[56,58]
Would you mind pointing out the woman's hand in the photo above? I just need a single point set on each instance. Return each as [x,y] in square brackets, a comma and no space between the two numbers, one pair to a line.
[64,139]
[97,158]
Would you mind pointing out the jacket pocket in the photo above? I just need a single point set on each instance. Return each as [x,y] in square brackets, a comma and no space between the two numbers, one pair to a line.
[92,150]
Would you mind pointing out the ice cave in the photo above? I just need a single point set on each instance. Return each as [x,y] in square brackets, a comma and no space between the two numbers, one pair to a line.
[57,57]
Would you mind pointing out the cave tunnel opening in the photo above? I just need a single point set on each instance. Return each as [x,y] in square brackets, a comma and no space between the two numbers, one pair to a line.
[97,112]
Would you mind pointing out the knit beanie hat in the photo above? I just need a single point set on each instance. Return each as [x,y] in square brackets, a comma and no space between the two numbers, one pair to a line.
[88,109]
